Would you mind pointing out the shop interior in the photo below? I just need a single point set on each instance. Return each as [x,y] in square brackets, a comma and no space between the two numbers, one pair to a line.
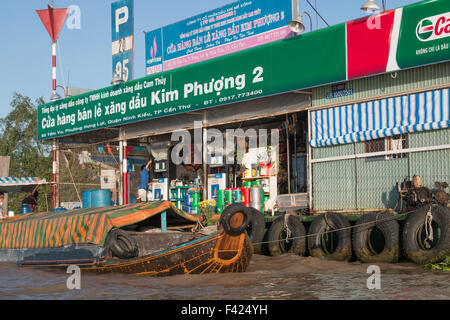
[252,178]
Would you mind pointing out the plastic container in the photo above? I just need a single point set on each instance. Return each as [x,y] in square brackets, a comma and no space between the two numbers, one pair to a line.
[228,196]
[237,195]
[220,201]
[24,209]
[265,168]
[256,183]
[187,203]
[245,196]
[195,201]
[87,199]
[100,198]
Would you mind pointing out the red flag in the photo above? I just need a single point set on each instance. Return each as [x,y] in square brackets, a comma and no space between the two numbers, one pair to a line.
[53,20]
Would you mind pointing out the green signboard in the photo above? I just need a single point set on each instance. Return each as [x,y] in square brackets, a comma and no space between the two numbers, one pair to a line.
[271,69]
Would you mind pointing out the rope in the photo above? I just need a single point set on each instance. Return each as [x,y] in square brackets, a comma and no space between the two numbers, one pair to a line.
[329,231]
[428,229]
[286,226]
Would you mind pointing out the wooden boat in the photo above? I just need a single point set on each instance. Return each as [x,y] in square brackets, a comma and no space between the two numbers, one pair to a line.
[153,238]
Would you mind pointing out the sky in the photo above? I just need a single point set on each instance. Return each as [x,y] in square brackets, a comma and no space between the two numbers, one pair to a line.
[84,55]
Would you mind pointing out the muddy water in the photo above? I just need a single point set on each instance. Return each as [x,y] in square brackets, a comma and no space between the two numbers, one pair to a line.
[284,277]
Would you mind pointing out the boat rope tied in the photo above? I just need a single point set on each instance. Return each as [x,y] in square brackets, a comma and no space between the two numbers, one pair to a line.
[286,227]
[428,229]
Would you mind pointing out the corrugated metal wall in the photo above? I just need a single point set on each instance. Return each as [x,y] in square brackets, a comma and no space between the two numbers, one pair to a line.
[372,87]
[368,184]
[371,184]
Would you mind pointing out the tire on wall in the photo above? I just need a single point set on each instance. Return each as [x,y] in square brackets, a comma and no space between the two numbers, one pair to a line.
[375,238]
[330,245]
[278,231]
[414,233]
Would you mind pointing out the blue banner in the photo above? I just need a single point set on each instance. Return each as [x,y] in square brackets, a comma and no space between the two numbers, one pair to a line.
[231,28]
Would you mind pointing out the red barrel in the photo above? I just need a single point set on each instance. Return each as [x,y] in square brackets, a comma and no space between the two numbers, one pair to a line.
[246,196]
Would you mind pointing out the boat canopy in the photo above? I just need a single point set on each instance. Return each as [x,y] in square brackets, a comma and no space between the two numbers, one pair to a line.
[83,226]
[21,184]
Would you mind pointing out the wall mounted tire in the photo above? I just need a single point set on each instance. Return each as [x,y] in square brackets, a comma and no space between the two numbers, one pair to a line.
[226,219]
[339,241]
[381,224]
[413,232]
[257,226]
[277,232]
[121,244]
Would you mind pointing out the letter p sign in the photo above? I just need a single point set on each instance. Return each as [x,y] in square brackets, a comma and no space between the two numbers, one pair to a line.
[121,17]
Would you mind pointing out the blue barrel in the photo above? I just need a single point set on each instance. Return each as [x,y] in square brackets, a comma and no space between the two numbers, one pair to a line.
[24,209]
[187,203]
[101,198]
[87,199]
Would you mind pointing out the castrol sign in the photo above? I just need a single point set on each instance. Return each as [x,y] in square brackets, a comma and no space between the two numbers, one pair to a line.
[433,28]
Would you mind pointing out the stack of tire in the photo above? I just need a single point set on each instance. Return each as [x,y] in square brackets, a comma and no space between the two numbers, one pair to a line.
[331,236]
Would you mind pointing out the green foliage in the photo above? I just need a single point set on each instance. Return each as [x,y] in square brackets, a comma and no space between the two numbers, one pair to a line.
[29,157]
[443,266]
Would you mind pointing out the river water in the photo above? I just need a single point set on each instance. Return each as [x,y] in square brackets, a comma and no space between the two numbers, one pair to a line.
[284,277]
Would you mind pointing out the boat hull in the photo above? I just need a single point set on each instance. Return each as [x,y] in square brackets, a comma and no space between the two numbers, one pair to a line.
[219,253]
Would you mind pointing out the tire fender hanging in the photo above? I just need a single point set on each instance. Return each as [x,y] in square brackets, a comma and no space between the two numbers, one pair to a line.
[419,224]
[235,219]
[287,226]
[361,241]
[322,228]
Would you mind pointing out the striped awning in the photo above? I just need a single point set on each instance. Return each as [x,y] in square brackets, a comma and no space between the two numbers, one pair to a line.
[91,225]
[20,184]
[380,118]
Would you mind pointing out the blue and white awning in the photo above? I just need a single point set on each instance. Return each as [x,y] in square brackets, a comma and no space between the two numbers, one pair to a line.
[20,184]
[380,118]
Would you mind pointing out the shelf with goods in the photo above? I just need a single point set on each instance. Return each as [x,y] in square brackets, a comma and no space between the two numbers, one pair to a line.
[260,172]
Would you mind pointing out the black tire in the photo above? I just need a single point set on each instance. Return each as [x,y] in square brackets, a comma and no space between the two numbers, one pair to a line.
[334,245]
[256,227]
[229,212]
[376,225]
[277,231]
[121,244]
[413,233]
